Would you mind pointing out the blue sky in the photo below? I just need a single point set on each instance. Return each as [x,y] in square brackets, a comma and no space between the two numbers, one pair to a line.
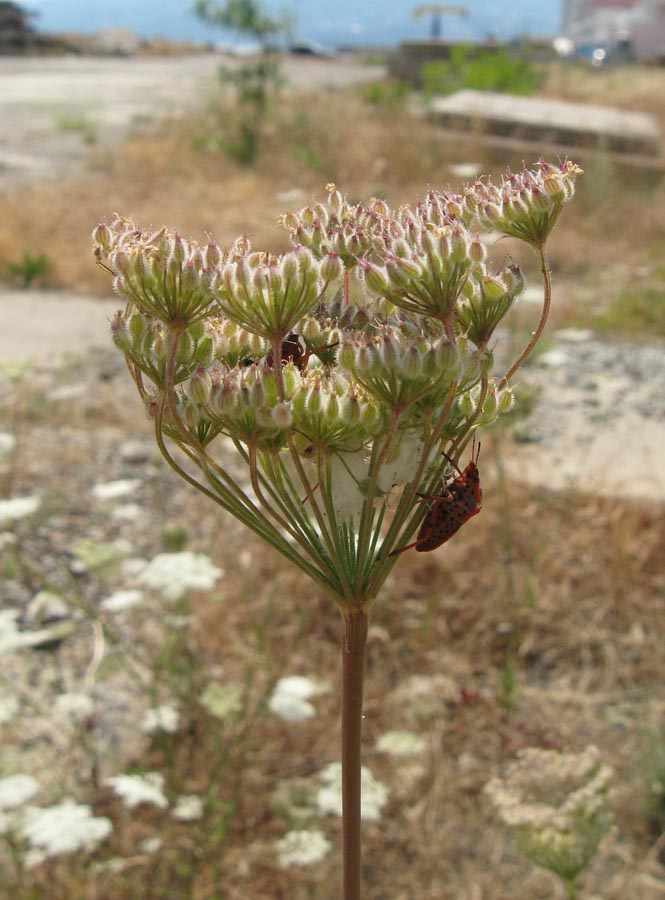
[345,21]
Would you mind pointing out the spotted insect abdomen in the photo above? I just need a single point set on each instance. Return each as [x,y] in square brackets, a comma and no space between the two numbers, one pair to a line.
[458,501]
[446,516]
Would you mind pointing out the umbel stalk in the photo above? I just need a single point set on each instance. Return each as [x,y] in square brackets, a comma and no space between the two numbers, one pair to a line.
[354,642]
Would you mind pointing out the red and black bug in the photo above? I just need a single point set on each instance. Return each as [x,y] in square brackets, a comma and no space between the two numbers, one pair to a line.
[457,502]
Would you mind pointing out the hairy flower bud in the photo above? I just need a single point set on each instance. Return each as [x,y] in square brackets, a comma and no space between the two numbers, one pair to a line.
[198,387]
[331,267]
[102,237]
[349,411]
[375,277]
[282,415]
[212,256]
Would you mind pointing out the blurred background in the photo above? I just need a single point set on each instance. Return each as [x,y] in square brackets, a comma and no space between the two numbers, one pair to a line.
[148,643]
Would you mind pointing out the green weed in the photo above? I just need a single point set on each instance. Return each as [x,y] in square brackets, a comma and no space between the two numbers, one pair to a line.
[30,267]
[389,95]
[498,70]
[638,309]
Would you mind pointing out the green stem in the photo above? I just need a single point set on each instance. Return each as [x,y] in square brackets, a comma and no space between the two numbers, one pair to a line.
[353,669]
[571,889]
[547,299]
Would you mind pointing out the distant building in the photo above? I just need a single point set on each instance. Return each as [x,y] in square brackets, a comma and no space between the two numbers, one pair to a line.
[115,42]
[622,27]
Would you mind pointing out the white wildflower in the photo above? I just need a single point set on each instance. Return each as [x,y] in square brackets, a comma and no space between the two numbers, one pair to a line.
[221,700]
[128,512]
[13,639]
[150,845]
[137,789]
[556,804]
[94,556]
[63,828]
[173,574]
[291,709]
[15,790]
[116,490]
[119,601]
[161,718]
[329,797]
[302,848]
[75,706]
[18,508]
[401,743]
[299,686]
[290,699]
[188,808]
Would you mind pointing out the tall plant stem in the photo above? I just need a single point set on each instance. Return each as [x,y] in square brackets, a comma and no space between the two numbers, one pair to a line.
[547,300]
[353,671]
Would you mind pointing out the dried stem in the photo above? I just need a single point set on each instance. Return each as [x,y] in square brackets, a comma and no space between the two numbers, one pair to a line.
[353,670]
[524,355]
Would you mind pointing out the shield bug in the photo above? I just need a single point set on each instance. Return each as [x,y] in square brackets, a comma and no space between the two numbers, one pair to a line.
[458,501]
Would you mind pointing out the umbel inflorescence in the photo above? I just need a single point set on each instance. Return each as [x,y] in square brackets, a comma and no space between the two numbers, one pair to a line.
[346,373]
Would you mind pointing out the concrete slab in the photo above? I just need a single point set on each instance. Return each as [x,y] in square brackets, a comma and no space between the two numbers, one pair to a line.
[553,122]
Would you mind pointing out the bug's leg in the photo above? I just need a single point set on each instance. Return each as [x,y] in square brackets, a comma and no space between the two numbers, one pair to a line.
[402,549]
[304,499]
[445,498]
[452,462]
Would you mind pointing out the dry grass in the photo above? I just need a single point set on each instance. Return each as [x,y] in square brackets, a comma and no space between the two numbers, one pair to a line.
[164,179]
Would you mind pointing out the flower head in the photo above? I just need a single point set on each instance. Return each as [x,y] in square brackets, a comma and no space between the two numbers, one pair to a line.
[557,806]
[526,205]
[344,372]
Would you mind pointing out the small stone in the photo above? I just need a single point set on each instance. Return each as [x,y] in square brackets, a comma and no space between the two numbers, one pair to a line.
[554,359]
[128,512]
[533,295]
[115,490]
[574,335]
[50,638]
[135,452]
[120,601]
[7,443]
[46,607]
[68,392]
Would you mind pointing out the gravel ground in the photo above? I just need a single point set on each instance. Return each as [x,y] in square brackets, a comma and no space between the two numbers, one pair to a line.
[599,422]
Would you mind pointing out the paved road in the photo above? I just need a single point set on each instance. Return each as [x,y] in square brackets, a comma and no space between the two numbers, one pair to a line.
[45,326]
[54,109]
